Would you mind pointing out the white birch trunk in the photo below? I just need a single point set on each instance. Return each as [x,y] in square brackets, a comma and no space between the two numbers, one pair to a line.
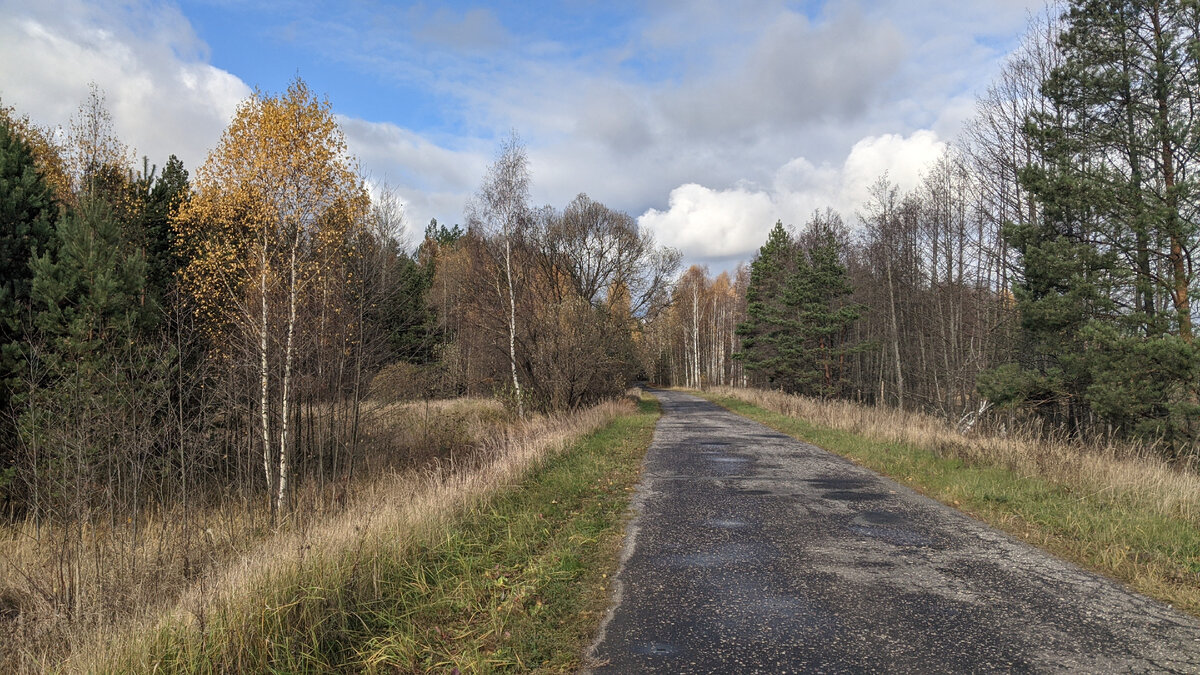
[512,323]
[264,373]
[284,466]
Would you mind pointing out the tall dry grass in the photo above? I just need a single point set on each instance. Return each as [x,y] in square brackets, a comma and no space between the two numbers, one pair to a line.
[184,569]
[1121,471]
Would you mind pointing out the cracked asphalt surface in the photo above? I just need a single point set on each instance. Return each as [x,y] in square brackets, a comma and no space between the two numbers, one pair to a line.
[754,552]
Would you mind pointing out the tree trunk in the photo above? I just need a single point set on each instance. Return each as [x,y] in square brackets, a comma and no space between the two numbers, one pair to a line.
[264,373]
[895,339]
[281,500]
[512,324]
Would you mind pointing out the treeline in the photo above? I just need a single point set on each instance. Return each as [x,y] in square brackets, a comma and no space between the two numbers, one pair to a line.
[171,337]
[1042,267]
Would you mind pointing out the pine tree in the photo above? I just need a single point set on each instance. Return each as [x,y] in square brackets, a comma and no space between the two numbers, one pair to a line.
[27,211]
[97,381]
[823,317]
[799,322]
[1105,275]
[764,329]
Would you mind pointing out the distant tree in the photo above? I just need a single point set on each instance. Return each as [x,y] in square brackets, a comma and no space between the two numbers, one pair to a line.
[162,197]
[797,334]
[501,211]
[820,340]
[98,163]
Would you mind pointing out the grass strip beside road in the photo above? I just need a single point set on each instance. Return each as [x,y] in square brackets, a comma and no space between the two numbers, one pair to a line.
[518,582]
[1154,553]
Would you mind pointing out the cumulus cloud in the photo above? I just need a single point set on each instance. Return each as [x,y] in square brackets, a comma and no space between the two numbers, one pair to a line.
[902,158]
[164,96]
[429,180]
[725,225]
[712,119]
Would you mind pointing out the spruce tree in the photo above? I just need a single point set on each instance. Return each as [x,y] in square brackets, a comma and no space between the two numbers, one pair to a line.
[161,200]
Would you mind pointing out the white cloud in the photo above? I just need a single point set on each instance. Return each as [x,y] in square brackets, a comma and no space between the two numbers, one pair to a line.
[164,97]
[712,119]
[724,225]
[904,159]
[711,224]
[429,180]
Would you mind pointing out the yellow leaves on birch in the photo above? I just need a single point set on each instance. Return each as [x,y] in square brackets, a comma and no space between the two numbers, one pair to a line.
[281,177]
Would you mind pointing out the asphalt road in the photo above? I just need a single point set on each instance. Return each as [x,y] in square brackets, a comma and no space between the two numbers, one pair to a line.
[755,552]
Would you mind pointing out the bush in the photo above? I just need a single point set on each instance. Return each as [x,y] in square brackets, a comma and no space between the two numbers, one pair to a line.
[404,381]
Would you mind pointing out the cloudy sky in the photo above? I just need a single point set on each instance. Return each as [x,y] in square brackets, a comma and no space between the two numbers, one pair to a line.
[706,120]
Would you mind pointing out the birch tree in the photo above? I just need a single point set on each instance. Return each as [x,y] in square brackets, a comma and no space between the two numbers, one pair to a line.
[267,233]
[501,209]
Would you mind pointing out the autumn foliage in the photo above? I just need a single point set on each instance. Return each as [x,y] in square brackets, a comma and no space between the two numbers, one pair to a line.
[268,236]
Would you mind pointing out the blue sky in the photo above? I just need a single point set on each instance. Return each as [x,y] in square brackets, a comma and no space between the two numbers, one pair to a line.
[707,120]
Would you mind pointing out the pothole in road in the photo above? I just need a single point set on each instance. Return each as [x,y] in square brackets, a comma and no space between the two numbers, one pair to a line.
[893,535]
[888,527]
[852,496]
[725,555]
[726,523]
[879,518]
[838,483]
[655,649]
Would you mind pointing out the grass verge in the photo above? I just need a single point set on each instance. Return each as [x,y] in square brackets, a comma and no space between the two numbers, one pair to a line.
[1115,531]
[515,581]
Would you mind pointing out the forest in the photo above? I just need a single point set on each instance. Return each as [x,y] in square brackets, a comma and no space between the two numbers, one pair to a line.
[239,337]
[1040,273]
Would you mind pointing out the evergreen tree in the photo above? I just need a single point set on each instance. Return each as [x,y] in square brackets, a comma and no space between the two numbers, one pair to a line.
[27,211]
[411,320]
[86,290]
[99,384]
[818,292]
[1105,282]
[799,322]
[162,197]
[765,327]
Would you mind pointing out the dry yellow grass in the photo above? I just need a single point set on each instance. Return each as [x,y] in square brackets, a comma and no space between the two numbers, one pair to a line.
[184,571]
[1118,471]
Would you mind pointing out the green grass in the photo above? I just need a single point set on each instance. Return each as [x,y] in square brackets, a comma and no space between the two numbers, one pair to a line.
[517,583]
[1156,554]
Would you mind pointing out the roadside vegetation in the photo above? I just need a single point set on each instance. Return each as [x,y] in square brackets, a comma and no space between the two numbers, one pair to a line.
[1115,508]
[497,559]
[216,381]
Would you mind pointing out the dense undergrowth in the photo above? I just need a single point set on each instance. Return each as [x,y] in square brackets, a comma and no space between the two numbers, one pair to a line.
[338,584]
[499,566]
